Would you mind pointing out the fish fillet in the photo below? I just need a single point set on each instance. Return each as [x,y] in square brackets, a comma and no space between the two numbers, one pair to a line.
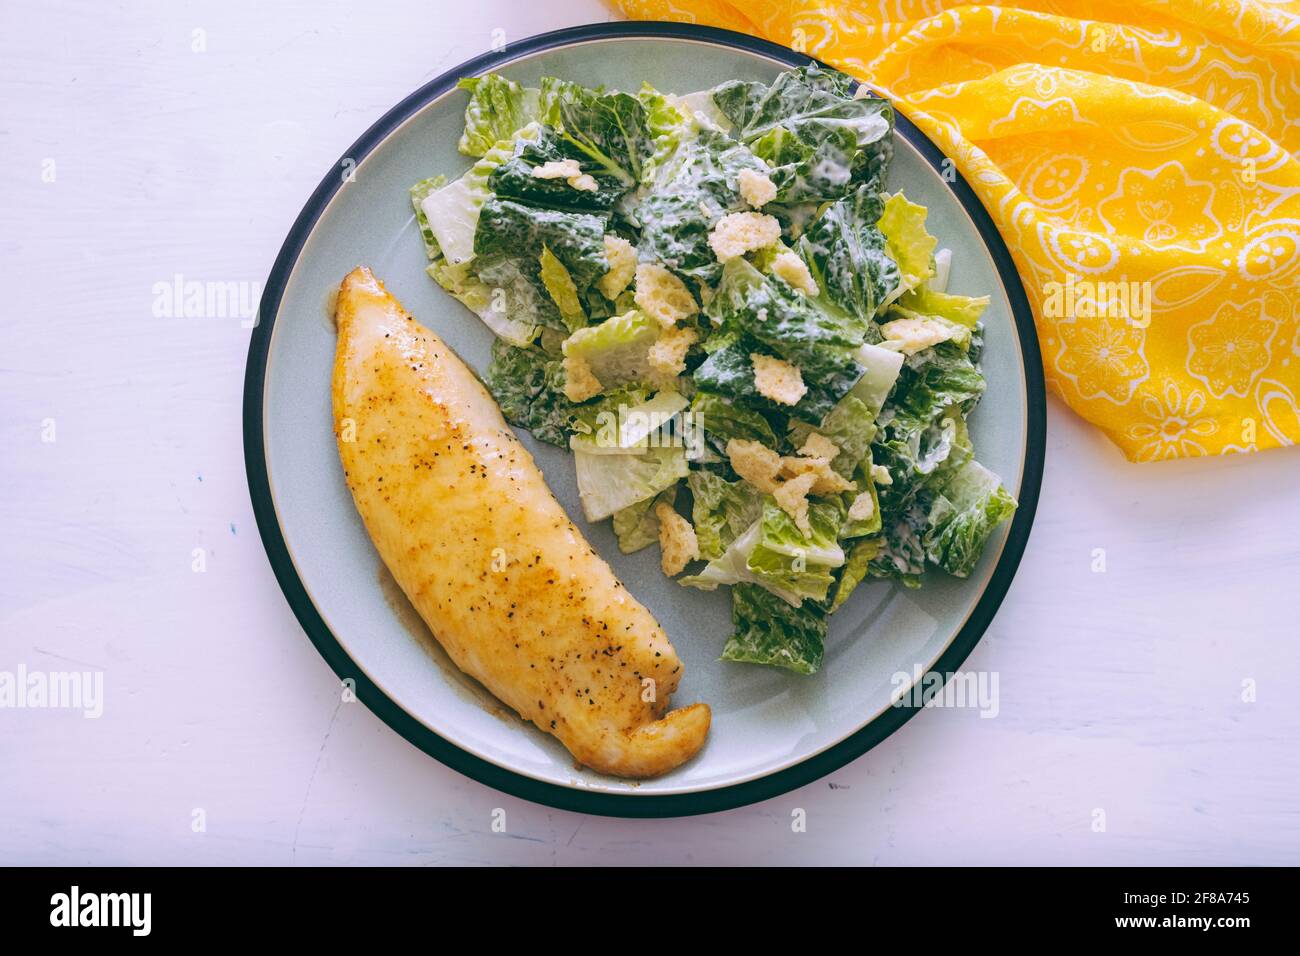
[507,584]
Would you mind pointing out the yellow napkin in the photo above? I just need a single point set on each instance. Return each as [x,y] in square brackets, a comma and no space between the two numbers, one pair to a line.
[1136,156]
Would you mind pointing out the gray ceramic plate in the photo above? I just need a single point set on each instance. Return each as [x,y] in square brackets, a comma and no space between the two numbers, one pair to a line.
[771,730]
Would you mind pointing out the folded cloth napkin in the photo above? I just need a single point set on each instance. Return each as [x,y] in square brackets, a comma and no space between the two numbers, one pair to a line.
[1139,159]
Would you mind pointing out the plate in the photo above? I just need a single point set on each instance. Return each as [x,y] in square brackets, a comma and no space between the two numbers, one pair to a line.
[772,731]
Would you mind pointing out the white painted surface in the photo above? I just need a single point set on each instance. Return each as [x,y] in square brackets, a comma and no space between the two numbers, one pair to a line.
[1120,691]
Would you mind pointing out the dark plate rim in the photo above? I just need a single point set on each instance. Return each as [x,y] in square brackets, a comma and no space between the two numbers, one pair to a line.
[518,785]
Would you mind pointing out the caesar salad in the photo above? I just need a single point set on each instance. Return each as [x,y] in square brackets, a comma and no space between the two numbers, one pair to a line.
[748,344]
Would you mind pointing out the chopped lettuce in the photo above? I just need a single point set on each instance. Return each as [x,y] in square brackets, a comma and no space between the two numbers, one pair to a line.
[609,483]
[668,124]
[617,350]
[766,630]
[510,307]
[862,527]
[561,288]
[760,315]
[723,420]
[774,554]
[903,225]
[902,553]
[881,367]
[723,510]
[452,210]
[963,310]
[924,425]
[497,107]
[522,380]
[524,178]
[637,526]
[821,139]
[510,230]
[630,425]
[965,508]
[849,425]
[692,191]
[776,315]
[855,569]
[942,268]
[847,255]
[419,192]
[572,184]
[610,130]
[702,112]
[729,371]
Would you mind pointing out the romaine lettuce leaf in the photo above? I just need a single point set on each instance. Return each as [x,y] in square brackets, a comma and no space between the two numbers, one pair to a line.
[903,225]
[821,139]
[729,371]
[516,295]
[730,567]
[758,314]
[781,318]
[508,316]
[590,417]
[846,253]
[513,313]
[723,420]
[797,99]
[514,179]
[964,509]
[692,191]
[782,537]
[511,230]
[812,167]
[497,108]
[452,214]
[766,630]
[554,92]
[609,483]
[854,571]
[701,111]
[675,231]
[419,192]
[882,367]
[561,288]
[452,211]
[618,349]
[722,511]
[774,554]
[609,129]
[932,381]
[524,383]
[964,310]
[902,553]
[628,423]
[669,127]
[850,425]
[637,526]
[923,427]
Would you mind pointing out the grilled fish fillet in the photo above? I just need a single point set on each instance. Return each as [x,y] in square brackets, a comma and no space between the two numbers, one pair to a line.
[507,584]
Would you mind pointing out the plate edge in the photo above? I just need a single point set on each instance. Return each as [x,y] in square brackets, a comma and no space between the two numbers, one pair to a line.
[511,782]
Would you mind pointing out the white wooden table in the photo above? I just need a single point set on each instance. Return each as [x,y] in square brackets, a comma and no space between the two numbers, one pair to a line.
[169,139]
